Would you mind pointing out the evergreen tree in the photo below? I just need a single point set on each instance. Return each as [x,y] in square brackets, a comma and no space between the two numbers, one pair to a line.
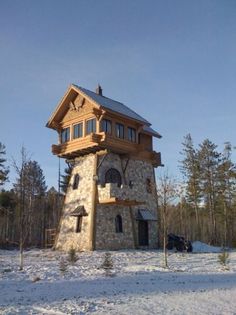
[3,170]
[65,179]
[209,160]
[226,190]
[190,167]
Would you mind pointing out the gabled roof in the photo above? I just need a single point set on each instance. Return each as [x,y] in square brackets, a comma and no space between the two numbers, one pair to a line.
[104,102]
[112,105]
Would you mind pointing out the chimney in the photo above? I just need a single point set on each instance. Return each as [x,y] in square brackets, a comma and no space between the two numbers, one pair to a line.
[99,90]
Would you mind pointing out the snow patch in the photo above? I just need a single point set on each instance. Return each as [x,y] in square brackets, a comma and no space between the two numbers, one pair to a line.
[199,247]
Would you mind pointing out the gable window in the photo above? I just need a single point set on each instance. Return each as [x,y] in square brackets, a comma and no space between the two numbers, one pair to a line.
[131,134]
[78,224]
[90,126]
[65,135]
[118,224]
[106,126]
[148,185]
[120,131]
[113,176]
[76,181]
[78,130]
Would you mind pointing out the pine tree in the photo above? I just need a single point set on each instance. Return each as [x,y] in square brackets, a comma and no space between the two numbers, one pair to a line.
[226,189]
[3,170]
[65,179]
[190,167]
[209,161]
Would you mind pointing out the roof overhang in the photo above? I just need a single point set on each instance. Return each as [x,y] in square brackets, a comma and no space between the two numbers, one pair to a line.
[145,215]
[148,130]
[78,212]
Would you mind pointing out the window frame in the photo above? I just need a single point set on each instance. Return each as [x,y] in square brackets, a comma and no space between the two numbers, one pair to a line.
[119,127]
[132,134]
[107,123]
[65,135]
[74,126]
[94,126]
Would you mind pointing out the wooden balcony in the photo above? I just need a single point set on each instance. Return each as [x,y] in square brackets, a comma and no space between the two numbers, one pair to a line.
[100,141]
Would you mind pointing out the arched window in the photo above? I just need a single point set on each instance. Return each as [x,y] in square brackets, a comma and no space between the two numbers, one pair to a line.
[76,181]
[113,176]
[118,224]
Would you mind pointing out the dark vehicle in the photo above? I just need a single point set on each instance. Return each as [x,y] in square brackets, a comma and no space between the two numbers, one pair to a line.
[179,243]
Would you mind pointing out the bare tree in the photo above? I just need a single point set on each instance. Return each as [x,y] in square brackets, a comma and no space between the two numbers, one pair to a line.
[21,202]
[166,192]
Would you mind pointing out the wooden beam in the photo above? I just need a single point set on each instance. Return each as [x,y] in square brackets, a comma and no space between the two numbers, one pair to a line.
[121,202]
[92,234]
[133,227]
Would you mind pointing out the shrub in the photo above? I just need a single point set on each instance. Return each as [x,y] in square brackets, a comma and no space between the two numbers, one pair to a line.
[62,266]
[72,257]
[107,264]
[223,259]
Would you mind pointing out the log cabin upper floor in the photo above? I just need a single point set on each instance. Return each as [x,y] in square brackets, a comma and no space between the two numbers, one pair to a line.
[87,122]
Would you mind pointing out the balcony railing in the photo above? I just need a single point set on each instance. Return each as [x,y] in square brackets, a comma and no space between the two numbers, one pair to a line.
[98,141]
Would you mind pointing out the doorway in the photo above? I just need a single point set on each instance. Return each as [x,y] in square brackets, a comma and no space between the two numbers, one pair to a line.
[143,233]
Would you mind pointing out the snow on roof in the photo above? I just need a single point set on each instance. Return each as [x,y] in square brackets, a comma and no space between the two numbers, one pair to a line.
[113,105]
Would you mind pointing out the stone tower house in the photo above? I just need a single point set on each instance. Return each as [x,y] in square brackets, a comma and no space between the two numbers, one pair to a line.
[111,198]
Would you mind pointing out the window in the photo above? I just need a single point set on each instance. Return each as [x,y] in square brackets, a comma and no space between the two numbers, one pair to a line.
[118,224]
[78,131]
[65,135]
[79,224]
[148,185]
[120,131]
[76,181]
[90,126]
[113,176]
[131,134]
[106,126]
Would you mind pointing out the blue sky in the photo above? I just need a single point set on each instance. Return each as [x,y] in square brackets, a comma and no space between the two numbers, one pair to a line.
[174,62]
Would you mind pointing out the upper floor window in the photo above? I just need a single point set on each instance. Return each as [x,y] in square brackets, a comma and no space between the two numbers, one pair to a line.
[76,181]
[118,224]
[113,176]
[65,135]
[106,126]
[90,126]
[78,130]
[131,134]
[120,130]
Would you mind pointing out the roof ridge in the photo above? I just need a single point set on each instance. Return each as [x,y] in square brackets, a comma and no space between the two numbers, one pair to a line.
[138,117]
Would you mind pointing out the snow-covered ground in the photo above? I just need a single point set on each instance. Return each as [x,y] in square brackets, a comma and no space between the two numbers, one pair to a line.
[194,284]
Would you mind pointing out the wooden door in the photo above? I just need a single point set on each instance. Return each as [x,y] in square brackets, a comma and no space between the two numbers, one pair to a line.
[143,233]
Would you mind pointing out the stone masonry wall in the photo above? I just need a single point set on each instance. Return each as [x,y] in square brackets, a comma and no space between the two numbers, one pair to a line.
[106,237]
[137,172]
[80,196]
